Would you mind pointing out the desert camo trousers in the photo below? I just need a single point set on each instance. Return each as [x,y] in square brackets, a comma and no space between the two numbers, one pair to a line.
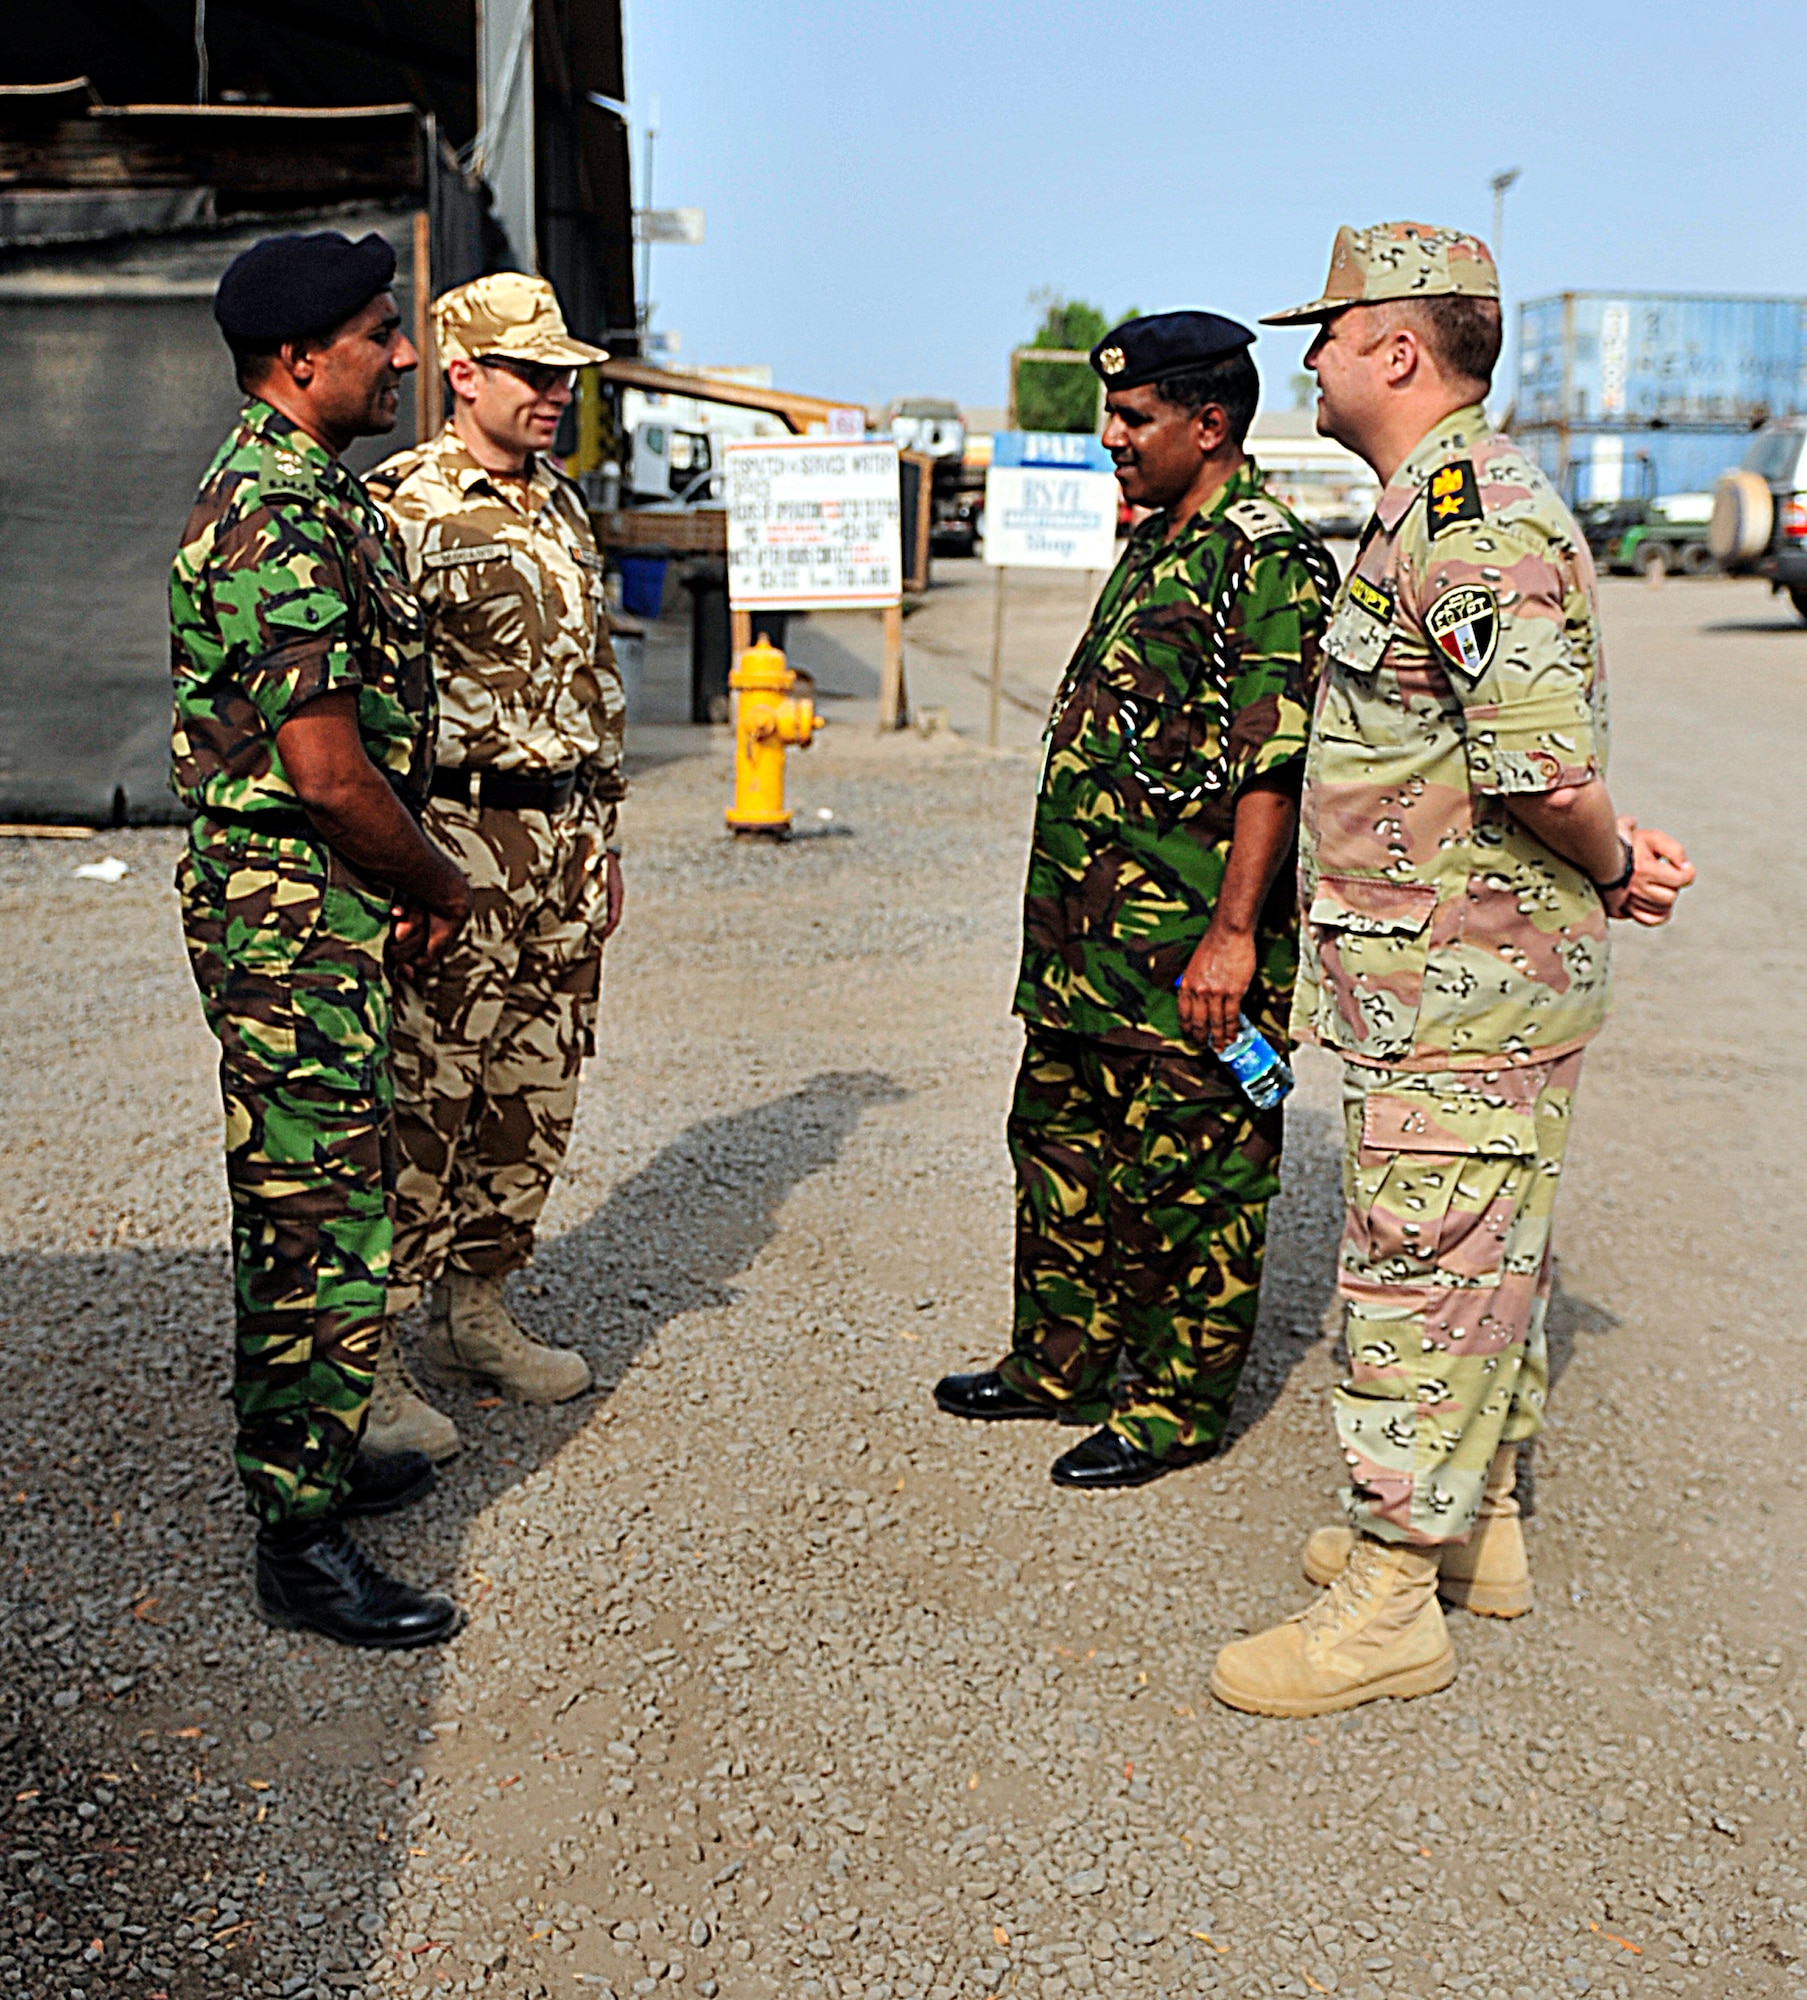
[1450,1179]
[490,1042]
[287,949]
[1142,1186]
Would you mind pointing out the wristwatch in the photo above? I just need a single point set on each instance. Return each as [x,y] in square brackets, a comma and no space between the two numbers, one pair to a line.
[1624,875]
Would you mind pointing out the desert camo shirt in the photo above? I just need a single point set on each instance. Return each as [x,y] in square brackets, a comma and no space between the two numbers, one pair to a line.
[288,585]
[508,572]
[1462,667]
[1194,676]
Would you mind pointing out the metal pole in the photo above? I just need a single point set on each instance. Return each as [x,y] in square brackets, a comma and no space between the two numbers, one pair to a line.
[646,202]
[1500,184]
[200,51]
[997,662]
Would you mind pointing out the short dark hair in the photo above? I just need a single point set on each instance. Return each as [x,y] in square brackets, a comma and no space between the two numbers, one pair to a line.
[1230,382]
[1463,335]
[250,360]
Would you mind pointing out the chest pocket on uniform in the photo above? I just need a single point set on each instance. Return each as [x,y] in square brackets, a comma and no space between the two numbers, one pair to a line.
[1359,632]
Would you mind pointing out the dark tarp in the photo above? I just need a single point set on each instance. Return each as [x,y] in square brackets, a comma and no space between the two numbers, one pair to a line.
[119,391]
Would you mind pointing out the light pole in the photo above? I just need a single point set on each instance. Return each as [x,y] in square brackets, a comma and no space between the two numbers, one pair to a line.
[646,202]
[1501,184]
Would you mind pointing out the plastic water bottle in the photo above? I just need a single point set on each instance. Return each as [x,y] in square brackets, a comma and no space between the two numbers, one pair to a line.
[1261,1072]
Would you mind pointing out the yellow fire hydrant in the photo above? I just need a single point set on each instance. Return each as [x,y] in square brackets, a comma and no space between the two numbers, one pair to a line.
[767,716]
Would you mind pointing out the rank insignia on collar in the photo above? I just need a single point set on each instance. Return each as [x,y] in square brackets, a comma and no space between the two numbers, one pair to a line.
[1464,626]
[1111,361]
[1372,599]
[1455,496]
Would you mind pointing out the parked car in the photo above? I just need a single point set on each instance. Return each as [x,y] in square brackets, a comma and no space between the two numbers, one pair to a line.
[1759,522]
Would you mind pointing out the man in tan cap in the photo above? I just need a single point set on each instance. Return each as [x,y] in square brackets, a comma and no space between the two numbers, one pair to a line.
[490,1041]
[1459,857]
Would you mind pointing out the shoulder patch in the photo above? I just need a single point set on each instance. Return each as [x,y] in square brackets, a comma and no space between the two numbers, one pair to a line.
[1258,519]
[1464,625]
[1370,597]
[1454,496]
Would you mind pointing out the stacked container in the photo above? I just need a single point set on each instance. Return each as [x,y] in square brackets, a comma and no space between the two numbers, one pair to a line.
[1631,395]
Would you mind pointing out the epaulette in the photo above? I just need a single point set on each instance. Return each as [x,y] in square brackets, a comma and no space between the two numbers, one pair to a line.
[283,470]
[1258,519]
[388,477]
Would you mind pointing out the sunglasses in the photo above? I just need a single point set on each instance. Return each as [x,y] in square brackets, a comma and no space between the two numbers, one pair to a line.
[539,376]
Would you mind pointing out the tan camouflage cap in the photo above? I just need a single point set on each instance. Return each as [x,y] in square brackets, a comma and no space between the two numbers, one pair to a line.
[507,313]
[1398,260]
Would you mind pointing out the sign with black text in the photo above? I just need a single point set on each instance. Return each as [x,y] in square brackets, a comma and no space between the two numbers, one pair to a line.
[813,524]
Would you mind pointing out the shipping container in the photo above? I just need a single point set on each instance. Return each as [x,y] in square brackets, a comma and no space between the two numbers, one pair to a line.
[1633,465]
[1642,359]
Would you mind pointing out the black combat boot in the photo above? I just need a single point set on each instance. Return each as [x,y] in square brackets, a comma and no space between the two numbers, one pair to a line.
[315,1578]
[1107,1458]
[386,1483]
[990,1399]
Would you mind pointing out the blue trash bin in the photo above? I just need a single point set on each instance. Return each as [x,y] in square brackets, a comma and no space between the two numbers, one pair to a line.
[642,585]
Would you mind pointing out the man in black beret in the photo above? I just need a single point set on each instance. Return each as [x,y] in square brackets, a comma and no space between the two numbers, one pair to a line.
[1158,919]
[302,744]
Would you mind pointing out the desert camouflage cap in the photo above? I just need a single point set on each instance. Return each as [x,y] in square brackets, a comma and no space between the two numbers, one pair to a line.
[507,313]
[1398,260]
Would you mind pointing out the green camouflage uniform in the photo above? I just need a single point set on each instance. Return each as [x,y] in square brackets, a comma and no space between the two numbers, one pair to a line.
[490,1041]
[286,587]
[1143,1176]
[1455,962]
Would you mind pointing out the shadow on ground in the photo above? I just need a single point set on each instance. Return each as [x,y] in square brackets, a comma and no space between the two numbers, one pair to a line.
[195,1805]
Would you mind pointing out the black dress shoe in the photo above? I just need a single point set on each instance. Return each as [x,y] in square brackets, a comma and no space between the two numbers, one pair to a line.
[317,1579]
[1109,1459]
[988,1397]
[387,1484]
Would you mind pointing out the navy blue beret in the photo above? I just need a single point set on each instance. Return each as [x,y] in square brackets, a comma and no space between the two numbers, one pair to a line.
[288,286]
[1163,344]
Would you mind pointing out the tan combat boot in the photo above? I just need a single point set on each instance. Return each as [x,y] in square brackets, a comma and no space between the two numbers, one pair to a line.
[478,1341]
[1489,1574]
[1378,1630]
[401,1419]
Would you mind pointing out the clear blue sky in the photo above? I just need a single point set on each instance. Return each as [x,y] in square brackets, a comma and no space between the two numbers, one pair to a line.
[885,185]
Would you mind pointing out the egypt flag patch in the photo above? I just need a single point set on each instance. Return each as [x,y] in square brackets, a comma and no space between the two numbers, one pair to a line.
[1464,625]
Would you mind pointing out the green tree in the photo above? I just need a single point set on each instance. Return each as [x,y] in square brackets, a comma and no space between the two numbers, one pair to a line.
[1060,395]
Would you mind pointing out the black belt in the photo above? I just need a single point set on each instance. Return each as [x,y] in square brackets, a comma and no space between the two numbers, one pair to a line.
[278,825]
[508,791]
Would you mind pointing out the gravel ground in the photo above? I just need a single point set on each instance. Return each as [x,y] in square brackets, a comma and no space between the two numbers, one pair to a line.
[777,1683]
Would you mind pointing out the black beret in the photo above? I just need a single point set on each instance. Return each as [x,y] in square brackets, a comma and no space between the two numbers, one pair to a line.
[289,286]
[1163,344]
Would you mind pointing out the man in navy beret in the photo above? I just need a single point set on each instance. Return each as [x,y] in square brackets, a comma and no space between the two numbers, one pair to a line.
[302,744]
[1158,916]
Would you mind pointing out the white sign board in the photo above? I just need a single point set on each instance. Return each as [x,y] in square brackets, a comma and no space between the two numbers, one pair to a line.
[813,525]
[1050,518]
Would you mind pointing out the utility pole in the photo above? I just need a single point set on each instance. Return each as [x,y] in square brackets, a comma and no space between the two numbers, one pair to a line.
[1501,184]
[646,202]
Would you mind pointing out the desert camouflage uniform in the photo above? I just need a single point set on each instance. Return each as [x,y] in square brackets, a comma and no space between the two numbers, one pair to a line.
[286,587]
[1456,962]
[489,1044]
[1143,1176]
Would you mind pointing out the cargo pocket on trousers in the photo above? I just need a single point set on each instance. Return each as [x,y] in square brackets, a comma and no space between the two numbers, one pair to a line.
[1439,1172]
